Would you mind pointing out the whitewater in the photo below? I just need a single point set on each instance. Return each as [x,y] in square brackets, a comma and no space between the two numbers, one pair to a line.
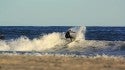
[55,43]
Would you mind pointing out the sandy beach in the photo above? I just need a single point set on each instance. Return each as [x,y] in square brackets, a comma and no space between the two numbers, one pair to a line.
[27,62]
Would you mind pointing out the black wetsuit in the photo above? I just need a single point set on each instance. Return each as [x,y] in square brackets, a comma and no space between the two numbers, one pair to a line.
[67,35]
[1,37]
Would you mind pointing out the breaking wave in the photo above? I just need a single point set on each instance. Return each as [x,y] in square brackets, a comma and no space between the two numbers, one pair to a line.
[25,44]
[56,42]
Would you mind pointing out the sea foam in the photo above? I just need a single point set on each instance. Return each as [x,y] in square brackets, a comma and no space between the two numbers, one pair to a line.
[56,42]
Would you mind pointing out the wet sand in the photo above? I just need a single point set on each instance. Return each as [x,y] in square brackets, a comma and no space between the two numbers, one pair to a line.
[27,62]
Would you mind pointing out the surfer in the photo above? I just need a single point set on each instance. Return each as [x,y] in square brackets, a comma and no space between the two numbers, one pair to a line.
[68,35]
[1,36]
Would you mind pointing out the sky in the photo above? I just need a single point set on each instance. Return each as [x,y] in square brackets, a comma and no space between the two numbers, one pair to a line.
[62,12]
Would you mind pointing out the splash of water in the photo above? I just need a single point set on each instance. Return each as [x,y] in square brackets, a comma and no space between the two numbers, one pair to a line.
[80,37]
[82,45]
[57,42]
[81,33]
[24,44]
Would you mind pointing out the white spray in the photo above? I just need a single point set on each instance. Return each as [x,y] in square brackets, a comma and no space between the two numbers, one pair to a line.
[81,33]
[80,37]
[24,44]
[55,40]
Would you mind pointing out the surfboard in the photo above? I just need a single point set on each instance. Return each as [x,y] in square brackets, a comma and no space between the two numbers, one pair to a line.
[72,43]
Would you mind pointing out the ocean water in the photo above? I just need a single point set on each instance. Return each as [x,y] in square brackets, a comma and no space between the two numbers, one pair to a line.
[41,40]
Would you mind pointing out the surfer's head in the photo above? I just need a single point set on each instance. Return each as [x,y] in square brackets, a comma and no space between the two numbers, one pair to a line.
[69,30]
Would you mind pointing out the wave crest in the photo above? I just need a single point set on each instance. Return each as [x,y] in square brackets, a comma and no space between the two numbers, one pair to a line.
[56,42]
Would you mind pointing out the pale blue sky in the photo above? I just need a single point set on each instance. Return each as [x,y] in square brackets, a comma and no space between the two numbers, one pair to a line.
[62,12]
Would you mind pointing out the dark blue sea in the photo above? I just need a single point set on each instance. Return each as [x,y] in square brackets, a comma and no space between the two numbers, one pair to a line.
[50,39]
[92,33]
